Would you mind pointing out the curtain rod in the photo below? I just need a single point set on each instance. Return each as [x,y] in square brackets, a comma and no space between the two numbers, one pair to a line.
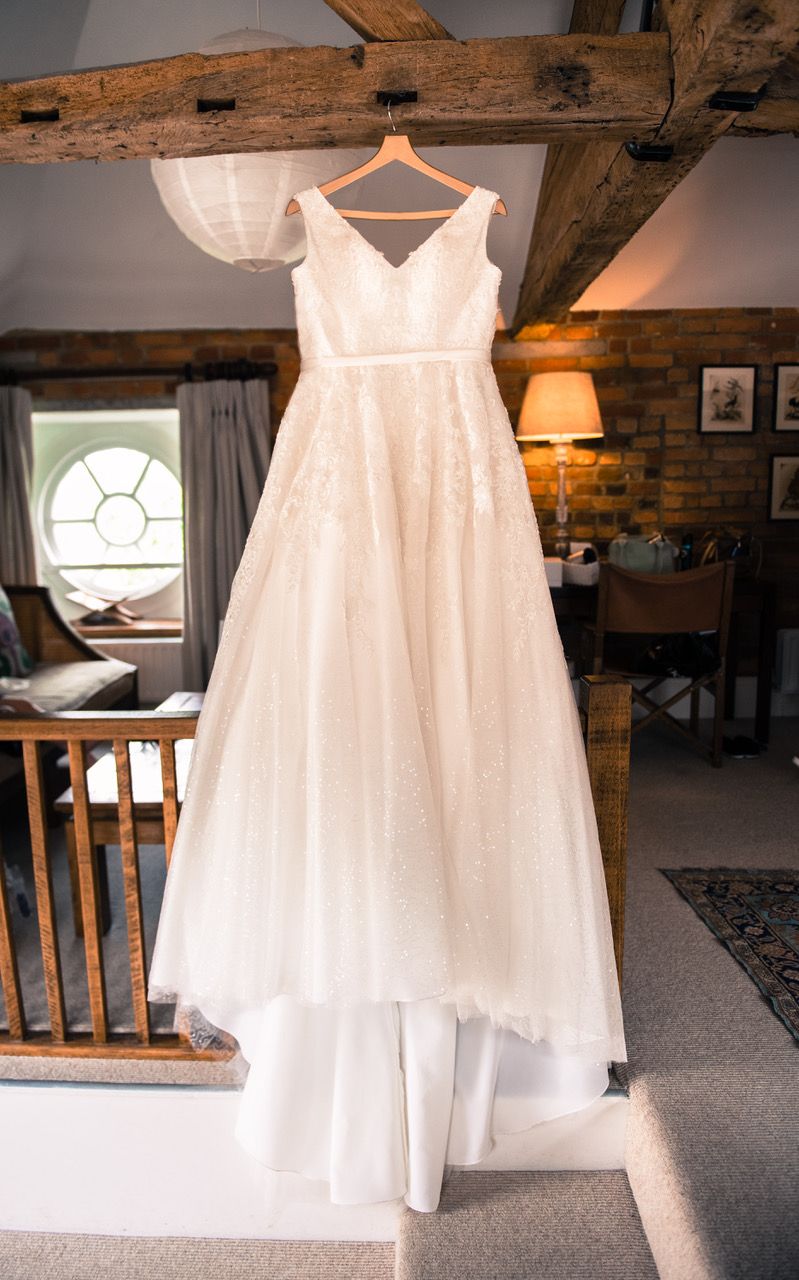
[235,370]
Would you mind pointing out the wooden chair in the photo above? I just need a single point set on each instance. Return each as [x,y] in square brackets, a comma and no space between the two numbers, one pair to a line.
[54,644]
[655,604]
[69,674]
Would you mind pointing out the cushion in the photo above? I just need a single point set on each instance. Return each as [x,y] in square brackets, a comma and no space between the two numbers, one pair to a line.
[14,657]
[70,686]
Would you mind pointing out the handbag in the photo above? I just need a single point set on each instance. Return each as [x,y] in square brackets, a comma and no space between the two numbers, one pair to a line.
[643,553]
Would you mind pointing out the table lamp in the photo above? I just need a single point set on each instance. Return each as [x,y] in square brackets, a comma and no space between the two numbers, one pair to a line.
[559,408]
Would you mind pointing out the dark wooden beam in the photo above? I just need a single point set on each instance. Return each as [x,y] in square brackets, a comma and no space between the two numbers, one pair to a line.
[595,198]
[389,19]
[778,110]
[589,17]
[599,17]
[513,90]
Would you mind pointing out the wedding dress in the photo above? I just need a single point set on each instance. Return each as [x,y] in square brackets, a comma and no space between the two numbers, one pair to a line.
[386,881]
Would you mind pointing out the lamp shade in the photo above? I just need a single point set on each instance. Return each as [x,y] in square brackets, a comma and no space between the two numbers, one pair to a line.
[233,207]
[559,407]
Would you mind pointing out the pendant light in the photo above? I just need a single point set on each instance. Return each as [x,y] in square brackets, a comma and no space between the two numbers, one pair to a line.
[233,206]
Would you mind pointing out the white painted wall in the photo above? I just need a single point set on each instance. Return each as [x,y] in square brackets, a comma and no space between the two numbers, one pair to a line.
[89,246]
[726,236]
[147,1160]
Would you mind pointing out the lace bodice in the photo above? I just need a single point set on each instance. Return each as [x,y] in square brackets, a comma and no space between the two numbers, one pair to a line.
[352,301]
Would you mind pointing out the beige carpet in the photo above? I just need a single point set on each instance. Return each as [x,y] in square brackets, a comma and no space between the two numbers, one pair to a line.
[40,1256]
[713,1140]
[120,1071]
[515,1226]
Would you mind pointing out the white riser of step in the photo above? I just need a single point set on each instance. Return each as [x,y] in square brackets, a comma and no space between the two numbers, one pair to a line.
[162,1161]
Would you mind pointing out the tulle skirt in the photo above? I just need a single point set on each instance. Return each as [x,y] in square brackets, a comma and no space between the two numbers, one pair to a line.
[388,800]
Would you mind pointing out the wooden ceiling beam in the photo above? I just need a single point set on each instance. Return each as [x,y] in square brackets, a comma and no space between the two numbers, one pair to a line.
[595,198]
[597,17]
[588,17]
[512,90]
[389,19]
[778,109]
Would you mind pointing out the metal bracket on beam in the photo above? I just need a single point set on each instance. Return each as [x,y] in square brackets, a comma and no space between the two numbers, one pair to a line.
[649,150]
[732,100]
[390,97]
[39,116]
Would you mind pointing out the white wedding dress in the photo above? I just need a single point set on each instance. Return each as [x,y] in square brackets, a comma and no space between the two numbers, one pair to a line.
[386,881]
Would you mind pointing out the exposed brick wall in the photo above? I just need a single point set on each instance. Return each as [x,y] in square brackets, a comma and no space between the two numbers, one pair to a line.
[40,349]
[653,469]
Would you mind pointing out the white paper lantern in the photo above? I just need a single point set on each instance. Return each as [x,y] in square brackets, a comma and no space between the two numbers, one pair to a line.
[233,207]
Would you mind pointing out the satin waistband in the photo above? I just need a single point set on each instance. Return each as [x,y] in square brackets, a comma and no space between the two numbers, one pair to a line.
[396,357]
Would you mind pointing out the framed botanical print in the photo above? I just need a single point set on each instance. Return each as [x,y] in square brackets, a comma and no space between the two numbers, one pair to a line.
[786,397]
[727,398]
[783,487]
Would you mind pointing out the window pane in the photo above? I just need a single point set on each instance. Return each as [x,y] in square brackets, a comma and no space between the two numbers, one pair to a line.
[117,583]
[159,491]
[117,470]
[78,543]
[122,555]
[162,542]
[120,520]
[76,496]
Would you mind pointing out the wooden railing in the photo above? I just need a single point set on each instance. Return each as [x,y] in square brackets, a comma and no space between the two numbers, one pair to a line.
[78,729]
[605,708]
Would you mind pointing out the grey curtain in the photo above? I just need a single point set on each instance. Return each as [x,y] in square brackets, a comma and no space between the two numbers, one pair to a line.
[17,550]
[225,450]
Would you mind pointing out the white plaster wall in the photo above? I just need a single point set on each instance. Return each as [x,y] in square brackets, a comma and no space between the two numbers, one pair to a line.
[148,1160]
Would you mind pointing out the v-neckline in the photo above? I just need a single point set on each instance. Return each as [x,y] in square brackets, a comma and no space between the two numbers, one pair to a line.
[379,252]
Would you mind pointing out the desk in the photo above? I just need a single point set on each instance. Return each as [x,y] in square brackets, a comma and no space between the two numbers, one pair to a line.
[574,603]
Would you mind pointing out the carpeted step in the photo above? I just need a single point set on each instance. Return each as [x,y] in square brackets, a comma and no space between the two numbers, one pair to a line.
[712,1152]
[221,1074]
[704,1218]
[49,1256]
[566,1225]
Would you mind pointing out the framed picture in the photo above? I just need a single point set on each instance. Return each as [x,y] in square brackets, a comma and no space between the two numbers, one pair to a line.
[783,487]
[727,397]
[786,397]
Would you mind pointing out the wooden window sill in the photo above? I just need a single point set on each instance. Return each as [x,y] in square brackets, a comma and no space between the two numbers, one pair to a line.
[141,629]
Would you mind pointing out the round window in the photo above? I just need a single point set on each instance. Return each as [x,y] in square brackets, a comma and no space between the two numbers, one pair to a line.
[111,521]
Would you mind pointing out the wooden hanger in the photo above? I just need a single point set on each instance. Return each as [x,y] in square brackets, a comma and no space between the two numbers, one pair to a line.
[395,146]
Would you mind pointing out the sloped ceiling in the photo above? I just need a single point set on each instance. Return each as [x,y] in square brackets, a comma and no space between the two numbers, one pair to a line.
[89,245]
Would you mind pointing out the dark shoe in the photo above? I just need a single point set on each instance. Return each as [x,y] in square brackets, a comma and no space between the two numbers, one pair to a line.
[740,747]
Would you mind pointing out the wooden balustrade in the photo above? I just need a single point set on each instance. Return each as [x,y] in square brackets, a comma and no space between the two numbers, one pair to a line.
[606,709]
[89,823]
[131,818]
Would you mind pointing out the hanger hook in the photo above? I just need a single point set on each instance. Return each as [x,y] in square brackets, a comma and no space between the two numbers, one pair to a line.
[388,109]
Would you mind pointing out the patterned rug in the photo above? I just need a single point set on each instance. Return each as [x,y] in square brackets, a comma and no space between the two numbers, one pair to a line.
[756,915]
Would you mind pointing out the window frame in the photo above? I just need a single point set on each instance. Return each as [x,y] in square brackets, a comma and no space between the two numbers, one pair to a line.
[151,431]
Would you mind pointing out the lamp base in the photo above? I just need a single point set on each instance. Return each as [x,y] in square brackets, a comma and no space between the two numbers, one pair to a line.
[562,544]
